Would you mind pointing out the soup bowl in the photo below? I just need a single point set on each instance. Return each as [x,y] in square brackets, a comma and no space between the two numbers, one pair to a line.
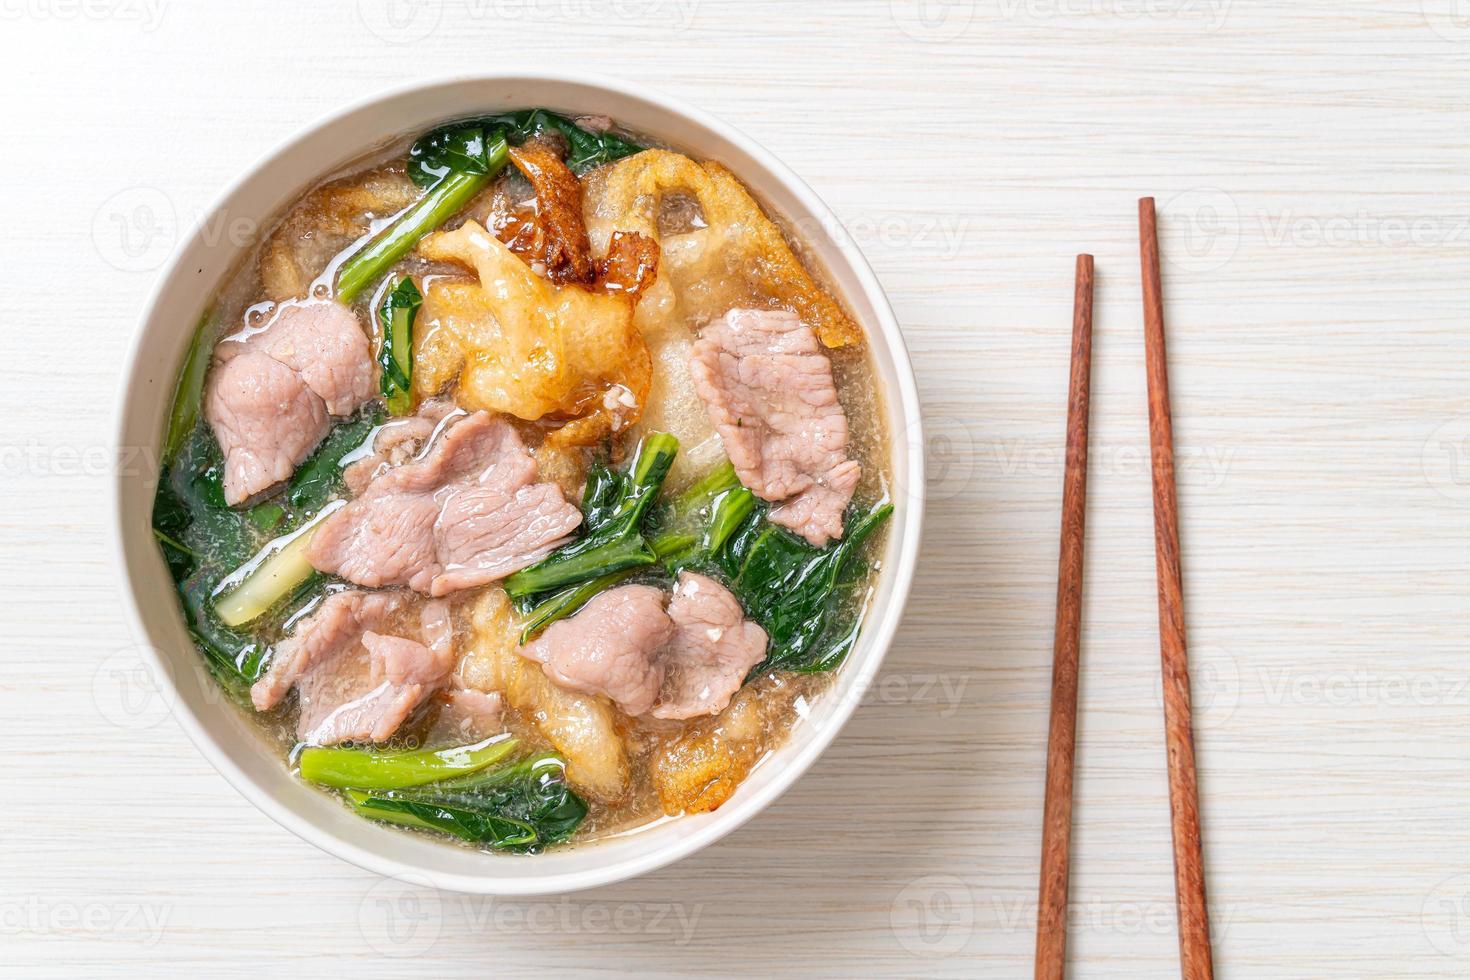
[222,731]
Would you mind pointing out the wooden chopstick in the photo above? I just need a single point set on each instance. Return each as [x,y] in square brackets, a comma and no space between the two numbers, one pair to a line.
[1056,828]
[1195,959]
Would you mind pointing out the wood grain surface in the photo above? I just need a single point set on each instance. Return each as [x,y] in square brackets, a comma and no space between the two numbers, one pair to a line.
[1309,162]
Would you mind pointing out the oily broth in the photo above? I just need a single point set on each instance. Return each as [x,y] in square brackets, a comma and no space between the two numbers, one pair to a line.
[313,219]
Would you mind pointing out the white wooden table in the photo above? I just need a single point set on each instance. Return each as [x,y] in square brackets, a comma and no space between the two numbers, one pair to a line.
[1310,163]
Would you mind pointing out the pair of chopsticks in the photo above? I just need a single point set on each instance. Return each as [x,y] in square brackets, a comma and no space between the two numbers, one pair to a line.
[1195,960]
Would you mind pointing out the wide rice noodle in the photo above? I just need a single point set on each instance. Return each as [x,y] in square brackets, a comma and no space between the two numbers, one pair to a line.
[739,259]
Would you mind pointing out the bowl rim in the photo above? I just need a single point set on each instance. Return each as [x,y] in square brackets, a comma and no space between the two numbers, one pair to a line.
[878,634]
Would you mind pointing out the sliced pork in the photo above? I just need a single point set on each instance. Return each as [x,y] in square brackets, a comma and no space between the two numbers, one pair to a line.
[712,648]
[324,344]
[354,683]
[612,647]
[367,701]
[677,663]
[397,441]
[466,512]
[769,391]
[271,391]
[334,627]
[266,420]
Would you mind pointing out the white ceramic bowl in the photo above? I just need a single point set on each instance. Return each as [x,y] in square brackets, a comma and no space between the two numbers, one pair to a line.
[226,737]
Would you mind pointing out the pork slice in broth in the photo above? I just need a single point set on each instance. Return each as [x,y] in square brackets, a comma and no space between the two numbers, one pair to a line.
[612,647]
[323,343]
[271,391]
[396,442]
[466,513]
[401,673]
[266,421]
[353,683]
[712,648]
[770,393]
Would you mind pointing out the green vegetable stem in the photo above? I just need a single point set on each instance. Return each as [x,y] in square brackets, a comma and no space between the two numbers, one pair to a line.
[613,508]
[698,522]
[476,158]
[344,768]
[396,317]
[453,163]
[266,580]
[568,601]
[280,569]
[189,394]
